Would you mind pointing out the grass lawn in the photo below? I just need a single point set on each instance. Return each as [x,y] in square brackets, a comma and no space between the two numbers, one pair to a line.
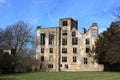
[62,76]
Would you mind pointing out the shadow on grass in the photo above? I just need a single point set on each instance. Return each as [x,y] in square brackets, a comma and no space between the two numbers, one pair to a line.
[8,79]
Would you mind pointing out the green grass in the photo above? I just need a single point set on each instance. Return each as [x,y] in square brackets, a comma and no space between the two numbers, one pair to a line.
[62,76]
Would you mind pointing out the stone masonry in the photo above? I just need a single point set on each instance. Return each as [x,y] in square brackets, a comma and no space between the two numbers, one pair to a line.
[63,48]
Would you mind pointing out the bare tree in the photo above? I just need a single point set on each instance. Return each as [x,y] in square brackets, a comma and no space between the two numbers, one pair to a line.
[1,38]
[17,36]
[117,13]
[21,37]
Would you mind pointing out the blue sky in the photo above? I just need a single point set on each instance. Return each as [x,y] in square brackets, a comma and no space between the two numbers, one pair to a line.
[47,13]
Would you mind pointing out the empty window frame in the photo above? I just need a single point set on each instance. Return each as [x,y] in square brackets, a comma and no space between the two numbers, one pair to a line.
[51,50]
[64,50]
[85,61]
[64,33]
[51,38]
[74,41]
[87,41]
[73,34]
[66,66]
[42,50]
[64,41]
[50,65]
[87,50]
[64,59]
[74,58]
[74,50]
[60,65]
[65,23]
[51,58]
[42,39]
[42,58]
[94,32]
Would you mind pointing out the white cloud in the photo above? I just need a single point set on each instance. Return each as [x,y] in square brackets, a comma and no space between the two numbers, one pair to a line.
[2,1]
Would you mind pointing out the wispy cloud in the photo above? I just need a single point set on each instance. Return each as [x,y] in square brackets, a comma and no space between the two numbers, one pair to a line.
[2,1]
[51,19]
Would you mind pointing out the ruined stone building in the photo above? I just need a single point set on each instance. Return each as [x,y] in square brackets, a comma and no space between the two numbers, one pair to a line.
[7,51]
[63,48]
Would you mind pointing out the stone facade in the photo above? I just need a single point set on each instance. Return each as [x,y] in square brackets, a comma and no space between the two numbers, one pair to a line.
[7,51]
[63,48]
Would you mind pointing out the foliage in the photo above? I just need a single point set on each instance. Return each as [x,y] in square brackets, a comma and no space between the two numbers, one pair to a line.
[108,45]
[6,63]
[26,64]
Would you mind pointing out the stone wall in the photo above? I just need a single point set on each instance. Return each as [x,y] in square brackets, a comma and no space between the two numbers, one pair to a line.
[81,58]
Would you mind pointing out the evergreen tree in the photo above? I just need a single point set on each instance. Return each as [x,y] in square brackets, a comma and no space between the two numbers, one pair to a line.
[108,46]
